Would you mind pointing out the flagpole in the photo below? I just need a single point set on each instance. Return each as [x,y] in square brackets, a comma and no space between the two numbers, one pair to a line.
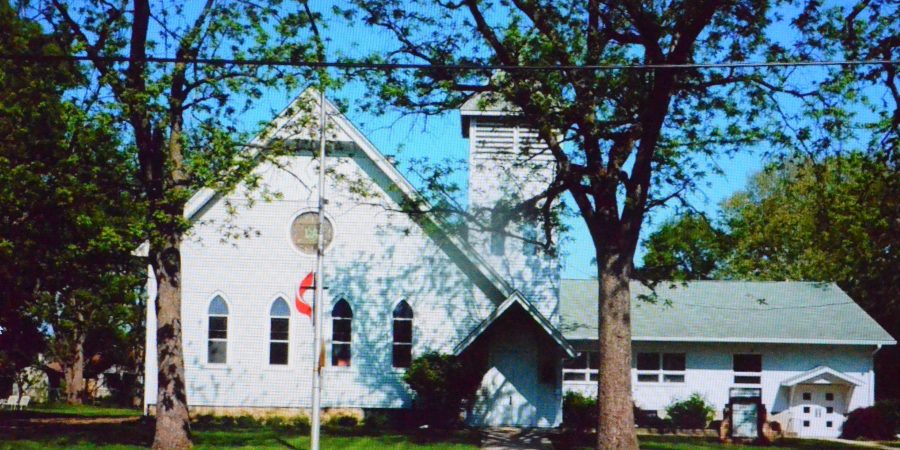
[318,307]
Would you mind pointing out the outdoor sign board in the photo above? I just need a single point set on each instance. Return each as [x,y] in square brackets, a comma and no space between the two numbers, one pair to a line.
[745,411]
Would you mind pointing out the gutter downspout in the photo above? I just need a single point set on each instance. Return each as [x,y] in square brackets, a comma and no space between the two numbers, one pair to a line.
[872,376]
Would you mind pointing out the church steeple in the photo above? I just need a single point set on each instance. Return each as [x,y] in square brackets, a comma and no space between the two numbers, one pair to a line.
[508,163]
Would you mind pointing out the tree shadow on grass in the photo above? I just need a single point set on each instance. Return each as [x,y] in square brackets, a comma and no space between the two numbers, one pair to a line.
[418,436]
[573,441]
[243,437]
[263,437]
[138,432]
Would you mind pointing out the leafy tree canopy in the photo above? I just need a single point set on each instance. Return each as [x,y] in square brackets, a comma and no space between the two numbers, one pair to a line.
[624,141]
[689,248]
[834,220]
[184,134]
[69,225]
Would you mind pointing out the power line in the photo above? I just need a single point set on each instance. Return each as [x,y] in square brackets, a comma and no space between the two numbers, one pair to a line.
[772,308]
[445,67]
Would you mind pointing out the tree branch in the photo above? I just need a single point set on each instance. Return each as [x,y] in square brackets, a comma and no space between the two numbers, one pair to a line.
[503,54]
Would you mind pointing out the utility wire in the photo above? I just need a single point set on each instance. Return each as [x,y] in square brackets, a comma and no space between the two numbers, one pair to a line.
[771,308]
[445,67]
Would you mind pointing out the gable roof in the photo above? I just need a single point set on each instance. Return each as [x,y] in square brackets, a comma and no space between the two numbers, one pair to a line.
[821,374]
[729,311]
[502,290]
[201,200]
[516,300]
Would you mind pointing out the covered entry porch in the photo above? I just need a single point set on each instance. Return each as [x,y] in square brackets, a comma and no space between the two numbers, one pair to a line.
[519,353]
[819,401]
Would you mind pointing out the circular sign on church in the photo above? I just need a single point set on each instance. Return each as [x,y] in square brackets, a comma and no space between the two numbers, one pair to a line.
[305,232]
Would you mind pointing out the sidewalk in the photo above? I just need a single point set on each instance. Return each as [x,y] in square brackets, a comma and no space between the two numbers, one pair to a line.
[869,444]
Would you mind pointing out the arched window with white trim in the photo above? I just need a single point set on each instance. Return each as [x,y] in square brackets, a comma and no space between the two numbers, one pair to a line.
[279,332]
[403,332]
[217,345]
[341,333]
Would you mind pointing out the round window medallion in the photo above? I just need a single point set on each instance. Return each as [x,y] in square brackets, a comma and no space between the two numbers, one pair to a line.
[305,232]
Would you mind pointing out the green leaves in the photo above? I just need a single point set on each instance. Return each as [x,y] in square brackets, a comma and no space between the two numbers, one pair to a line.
[830,220]
[441,383]
[689,248]
[67,219]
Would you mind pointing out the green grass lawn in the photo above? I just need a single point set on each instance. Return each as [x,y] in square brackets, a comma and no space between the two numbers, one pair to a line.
[669,442]
[16,432]
[62,410]
[135,432]
[250,439]
[690,443]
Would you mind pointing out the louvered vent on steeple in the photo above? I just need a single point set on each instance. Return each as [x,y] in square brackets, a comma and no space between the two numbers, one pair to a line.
[495,136]
[499,138]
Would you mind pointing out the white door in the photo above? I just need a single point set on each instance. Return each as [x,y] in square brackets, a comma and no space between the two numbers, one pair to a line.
[820,410]
[508,387]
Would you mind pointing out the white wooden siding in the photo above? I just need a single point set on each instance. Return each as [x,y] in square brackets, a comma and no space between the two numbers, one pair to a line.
[377,258]
[709,372]
[506,163]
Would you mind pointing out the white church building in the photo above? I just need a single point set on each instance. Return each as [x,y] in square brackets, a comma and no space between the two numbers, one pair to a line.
[399,285]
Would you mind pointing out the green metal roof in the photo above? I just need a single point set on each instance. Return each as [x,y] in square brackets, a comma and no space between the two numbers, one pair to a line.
[729,311]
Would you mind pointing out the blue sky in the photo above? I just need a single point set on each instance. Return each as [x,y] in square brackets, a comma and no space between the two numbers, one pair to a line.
[440,137]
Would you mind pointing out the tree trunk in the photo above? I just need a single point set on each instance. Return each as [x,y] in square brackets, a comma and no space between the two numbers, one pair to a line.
[54,381]
[172,419]
[615,425]
[74,372]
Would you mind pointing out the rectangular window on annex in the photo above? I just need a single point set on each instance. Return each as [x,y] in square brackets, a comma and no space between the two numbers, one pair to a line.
[747,368]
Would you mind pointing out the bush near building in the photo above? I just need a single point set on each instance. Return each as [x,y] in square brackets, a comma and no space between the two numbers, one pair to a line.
[442,384]
[579,412]
[878,422]
[580,415]
[693,413]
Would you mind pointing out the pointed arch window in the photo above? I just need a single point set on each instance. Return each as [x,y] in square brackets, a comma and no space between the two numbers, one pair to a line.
[217,344]
[403,332]
[341,333]
[279,332]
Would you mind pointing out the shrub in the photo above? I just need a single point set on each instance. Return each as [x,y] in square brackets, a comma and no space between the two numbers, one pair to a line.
[441,383]
[299,424]
[205,420]
[342,420]
[378,420]
[693,413]
[247,422]
[878,422]
[579,412]
[225,421]
[891,408]
[275,422]
[649,419]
